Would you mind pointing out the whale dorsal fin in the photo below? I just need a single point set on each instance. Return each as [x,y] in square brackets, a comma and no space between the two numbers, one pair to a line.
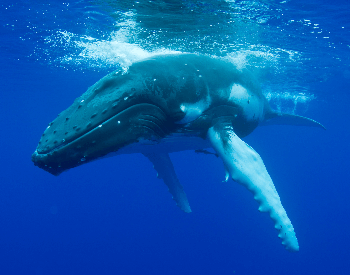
[274,118]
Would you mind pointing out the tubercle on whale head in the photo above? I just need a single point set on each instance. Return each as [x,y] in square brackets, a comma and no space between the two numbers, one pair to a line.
[130,126]
[105,118]
[100,102]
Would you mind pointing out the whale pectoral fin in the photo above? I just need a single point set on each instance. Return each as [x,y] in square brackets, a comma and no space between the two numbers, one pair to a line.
[274,118]
[247,168]
[165,169]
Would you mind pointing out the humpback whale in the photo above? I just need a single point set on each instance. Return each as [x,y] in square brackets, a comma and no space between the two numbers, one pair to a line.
[171,103]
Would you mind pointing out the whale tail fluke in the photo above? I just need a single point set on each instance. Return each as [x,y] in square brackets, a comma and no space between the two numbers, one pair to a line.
[274,118]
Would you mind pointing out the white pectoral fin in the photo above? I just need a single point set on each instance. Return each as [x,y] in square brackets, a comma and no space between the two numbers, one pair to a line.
[165,169]
[247,168]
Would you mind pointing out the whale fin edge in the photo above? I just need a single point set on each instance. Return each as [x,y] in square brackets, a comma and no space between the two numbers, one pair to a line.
[275,118]
[246,167]
[165,169]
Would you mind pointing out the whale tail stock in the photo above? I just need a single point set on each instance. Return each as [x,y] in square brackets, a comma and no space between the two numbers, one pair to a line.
[275,118]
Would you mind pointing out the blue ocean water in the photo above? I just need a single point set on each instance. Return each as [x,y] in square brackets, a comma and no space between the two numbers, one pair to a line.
[113,216]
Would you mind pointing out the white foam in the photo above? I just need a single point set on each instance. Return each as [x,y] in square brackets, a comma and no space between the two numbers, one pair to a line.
[118,49]
[95,53]
[289,102]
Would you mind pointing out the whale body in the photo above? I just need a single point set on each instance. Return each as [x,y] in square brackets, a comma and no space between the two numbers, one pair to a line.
[171,103]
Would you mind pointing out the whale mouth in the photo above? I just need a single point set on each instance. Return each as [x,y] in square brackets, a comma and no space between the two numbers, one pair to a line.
[67,142]
[42,158]
[67,128]
[140,121]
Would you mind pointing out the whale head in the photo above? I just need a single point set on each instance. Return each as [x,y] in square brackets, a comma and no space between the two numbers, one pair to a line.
[113,113]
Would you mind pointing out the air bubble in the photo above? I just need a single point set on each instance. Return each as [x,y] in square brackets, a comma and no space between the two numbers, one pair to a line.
[82,159]
[118,121]
[125,98]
